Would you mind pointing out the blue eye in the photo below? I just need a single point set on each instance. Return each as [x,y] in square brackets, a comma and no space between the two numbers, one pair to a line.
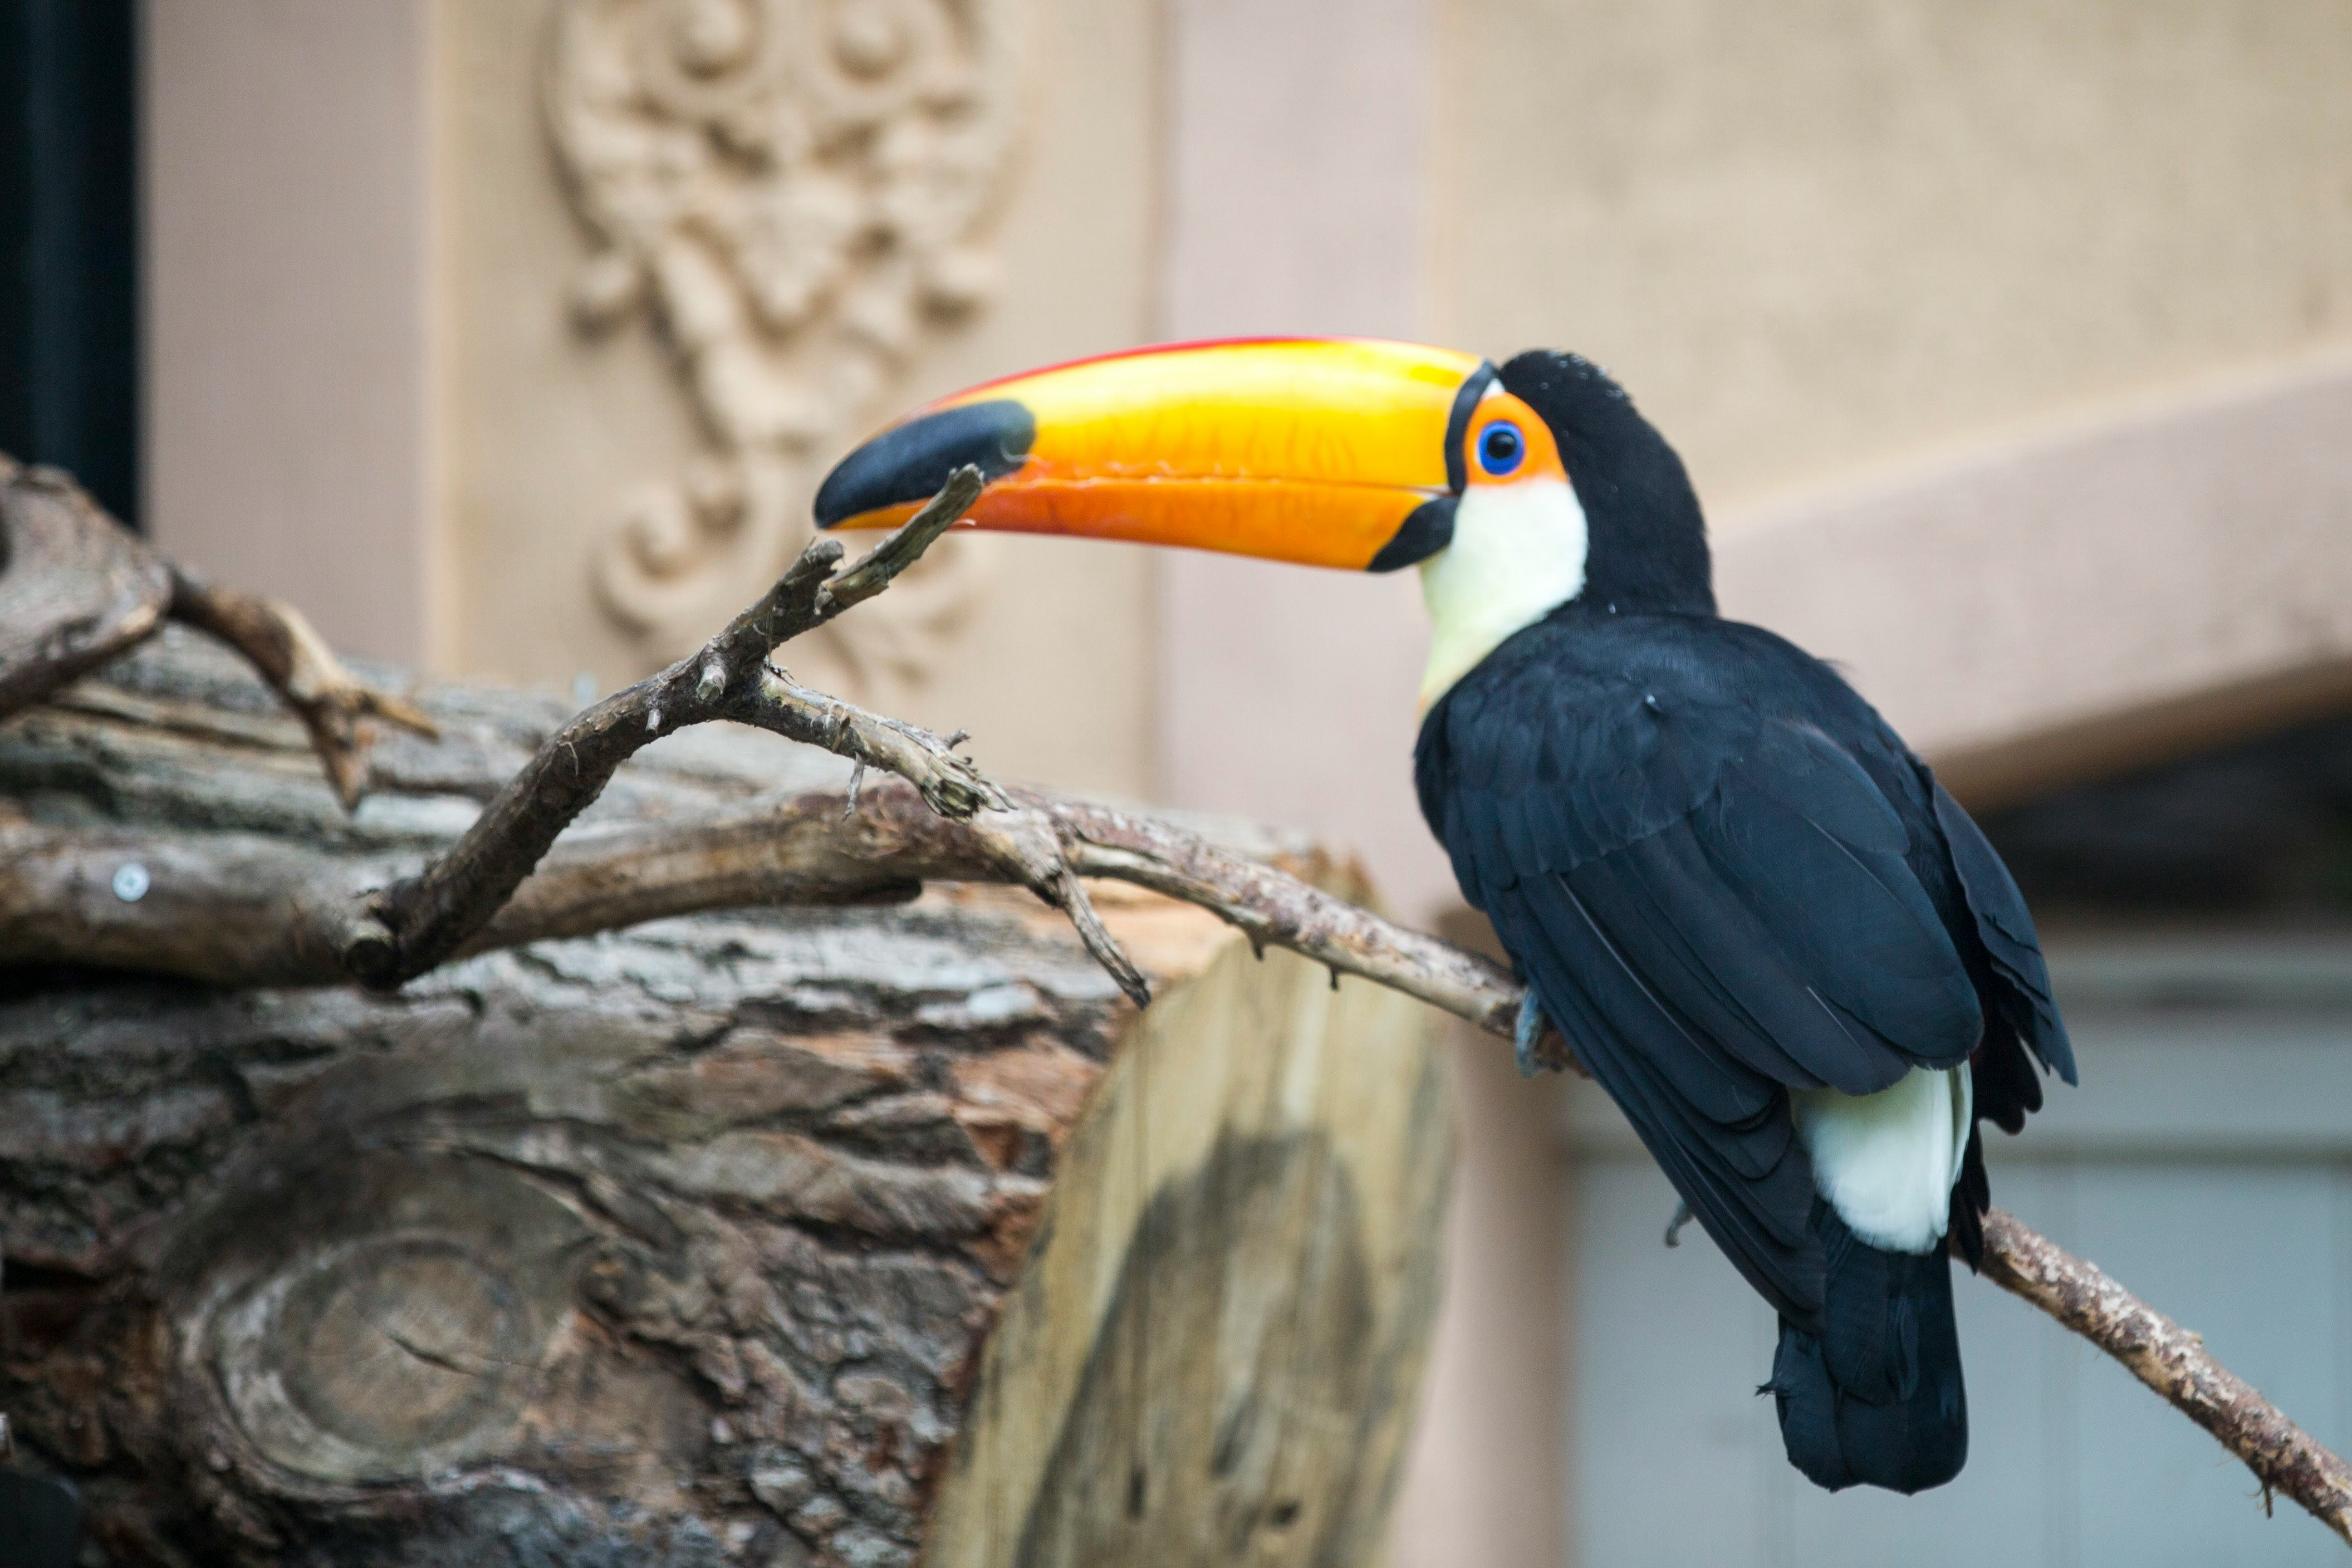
[1500,448]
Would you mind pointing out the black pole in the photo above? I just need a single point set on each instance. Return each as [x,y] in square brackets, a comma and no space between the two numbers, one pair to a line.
[69,241]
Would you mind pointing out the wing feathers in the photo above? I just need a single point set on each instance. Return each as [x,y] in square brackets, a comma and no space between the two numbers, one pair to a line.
[1726,878]
[2007,931]
[1857,922]
[1748,1182]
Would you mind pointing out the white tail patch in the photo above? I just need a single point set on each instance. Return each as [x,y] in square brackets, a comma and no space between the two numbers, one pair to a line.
[1887,1162]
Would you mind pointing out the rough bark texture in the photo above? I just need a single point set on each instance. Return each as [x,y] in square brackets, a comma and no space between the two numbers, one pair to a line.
[2172,1361]
[789,1236]
[74,590]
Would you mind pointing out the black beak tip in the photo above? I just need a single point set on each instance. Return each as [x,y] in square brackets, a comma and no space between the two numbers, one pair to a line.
[911,462]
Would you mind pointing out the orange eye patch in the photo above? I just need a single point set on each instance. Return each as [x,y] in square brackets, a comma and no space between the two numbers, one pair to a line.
[1506,443]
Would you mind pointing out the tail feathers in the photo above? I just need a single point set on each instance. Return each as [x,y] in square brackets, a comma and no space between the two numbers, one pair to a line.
[1874,1398]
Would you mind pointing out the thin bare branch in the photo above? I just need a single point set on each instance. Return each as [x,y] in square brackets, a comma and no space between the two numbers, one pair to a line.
[2174,1362]
[1067,894]
[1277,910]
[278,641]
[420,920]
[950,784]
[905,546]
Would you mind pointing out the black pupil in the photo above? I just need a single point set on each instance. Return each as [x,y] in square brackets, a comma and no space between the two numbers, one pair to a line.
[1502,444]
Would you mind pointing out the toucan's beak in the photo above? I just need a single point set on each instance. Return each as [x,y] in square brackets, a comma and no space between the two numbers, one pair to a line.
[1337,452]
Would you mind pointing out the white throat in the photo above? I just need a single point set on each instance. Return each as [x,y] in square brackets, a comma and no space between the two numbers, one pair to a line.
[1517,553]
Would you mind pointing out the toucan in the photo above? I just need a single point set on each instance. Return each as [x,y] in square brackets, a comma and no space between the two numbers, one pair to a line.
[1757,918]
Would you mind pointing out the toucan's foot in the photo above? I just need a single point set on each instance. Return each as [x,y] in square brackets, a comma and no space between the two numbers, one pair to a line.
[1529,1034]
[1674,1231]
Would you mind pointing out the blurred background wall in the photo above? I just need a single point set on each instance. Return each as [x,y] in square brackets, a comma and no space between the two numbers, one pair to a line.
[2010,346]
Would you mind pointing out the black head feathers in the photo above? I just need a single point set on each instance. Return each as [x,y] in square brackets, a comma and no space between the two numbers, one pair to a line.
[1647,544]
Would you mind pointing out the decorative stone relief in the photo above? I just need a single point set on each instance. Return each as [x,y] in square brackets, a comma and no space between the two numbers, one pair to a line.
[792,192]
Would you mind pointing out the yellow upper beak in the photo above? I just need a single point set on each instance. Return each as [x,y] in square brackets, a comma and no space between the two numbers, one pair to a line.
[1320,451]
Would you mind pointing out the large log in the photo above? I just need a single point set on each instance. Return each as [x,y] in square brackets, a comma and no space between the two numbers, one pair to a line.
[783,1235]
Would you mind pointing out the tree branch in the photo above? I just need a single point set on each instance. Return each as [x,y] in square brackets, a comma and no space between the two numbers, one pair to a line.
[2174,1362]
[281,644]
[239,910]
[76,588]
[418,922]
[1274,909]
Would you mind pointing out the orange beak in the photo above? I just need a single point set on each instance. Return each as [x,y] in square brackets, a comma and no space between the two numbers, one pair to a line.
[1328,452]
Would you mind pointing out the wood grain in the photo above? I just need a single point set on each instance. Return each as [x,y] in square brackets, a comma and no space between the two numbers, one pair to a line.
[1213,1357]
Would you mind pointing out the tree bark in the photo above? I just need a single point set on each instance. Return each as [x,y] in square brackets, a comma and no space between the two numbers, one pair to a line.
[805,1235]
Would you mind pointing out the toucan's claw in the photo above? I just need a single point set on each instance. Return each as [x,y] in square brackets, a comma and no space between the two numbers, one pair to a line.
[1675,1230]
[1529,1034]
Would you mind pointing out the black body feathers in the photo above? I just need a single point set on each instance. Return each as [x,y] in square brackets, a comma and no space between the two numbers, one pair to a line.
[1727,878]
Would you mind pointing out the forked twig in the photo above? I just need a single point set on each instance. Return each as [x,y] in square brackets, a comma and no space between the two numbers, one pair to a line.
[283,647]
[76,588]
[419,922]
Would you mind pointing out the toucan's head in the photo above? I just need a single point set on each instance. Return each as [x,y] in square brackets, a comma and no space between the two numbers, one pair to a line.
[1514,491]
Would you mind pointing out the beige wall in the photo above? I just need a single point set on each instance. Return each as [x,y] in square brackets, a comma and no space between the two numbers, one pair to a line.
[2102,592]
[368,389]
[1845,252]
[1816,237]
[283,158]
[1837,245]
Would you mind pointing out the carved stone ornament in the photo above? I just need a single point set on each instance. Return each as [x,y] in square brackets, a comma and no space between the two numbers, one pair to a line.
[793,191]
